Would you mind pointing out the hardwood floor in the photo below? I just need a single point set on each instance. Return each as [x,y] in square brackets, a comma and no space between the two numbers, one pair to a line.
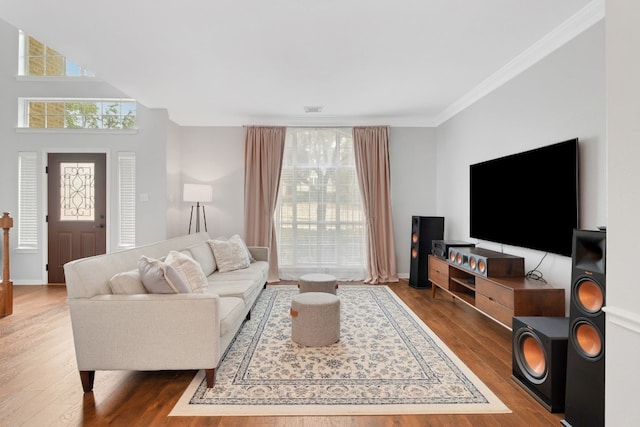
[40,385]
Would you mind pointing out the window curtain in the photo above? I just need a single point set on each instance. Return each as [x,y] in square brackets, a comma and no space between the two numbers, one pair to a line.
[264,147]
[371,146]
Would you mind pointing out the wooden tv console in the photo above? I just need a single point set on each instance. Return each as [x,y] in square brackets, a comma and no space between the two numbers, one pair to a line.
[500,298]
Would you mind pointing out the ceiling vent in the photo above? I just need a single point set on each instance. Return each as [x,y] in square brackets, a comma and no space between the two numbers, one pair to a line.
[313,109]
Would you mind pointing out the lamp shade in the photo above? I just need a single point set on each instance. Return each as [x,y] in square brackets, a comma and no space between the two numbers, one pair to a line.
[197,193]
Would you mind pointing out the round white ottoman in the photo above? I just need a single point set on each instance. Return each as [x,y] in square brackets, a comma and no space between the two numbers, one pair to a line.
[318,282]
[315,319]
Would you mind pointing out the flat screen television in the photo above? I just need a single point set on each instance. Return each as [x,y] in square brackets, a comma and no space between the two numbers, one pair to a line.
[529,199]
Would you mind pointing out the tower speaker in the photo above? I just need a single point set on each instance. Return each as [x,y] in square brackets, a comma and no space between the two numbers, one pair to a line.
[584,403]
[539,358]
[424,229]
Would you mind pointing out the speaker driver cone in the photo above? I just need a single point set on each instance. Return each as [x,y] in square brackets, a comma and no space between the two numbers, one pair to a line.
[414,238]
[414,253]
[482,266]
[472,263]
[587,339]
[531,357]
[588,294]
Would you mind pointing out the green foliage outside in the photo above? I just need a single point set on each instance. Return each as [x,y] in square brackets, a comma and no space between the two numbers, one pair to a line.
[98,115]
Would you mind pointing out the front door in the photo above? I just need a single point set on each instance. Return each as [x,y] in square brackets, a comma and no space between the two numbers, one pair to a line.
[76,209]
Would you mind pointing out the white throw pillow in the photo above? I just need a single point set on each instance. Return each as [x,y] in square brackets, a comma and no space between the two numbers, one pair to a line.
[231,254]
[127,283]
[238,240]
[184,269]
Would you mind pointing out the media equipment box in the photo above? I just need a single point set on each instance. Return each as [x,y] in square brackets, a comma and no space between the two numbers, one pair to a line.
[440,248]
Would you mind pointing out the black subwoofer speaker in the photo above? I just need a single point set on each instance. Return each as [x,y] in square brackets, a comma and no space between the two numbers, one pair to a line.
[424,229]
[584,403]
[539,358]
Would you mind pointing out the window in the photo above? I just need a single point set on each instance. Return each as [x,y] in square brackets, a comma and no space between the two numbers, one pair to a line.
[127,199]
[320,224]
[27,200]
[67,113]
[38,59]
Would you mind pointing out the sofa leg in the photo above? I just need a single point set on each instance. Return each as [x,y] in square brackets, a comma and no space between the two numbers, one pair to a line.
[210,374]
[86,377]
[248,316]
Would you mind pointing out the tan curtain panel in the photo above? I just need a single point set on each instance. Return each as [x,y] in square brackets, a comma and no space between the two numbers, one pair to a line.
[264,147]
[371,145]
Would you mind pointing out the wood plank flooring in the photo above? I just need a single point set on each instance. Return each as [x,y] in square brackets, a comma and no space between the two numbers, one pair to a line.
[40,386]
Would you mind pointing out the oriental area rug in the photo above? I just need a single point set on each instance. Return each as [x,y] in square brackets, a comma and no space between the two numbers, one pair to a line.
[387,361]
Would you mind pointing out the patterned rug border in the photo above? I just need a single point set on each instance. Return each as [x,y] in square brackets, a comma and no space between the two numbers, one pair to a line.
[493,404]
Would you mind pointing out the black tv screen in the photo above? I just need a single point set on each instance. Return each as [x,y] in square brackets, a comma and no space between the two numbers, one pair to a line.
[529,199]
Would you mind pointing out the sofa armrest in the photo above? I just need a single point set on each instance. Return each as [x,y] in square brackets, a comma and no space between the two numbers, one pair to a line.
[259,253]
[146,332]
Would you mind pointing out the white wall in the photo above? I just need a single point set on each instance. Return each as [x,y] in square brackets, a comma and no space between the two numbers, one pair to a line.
[623,234]
[175,226]
[561,97]
[149,144]
[215,156]
[412,154]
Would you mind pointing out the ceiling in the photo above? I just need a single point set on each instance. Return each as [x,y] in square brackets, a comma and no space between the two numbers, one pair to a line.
[239,62]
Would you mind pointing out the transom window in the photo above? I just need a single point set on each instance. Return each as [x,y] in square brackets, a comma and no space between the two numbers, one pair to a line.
[320,224]
[78,113]
[38,59]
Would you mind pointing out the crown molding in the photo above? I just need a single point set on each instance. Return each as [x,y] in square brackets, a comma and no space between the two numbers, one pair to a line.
[578,23]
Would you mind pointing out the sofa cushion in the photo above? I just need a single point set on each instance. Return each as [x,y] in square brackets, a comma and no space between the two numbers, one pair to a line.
[155,279]
[256,272]
[127,283]
[203,254]
[183,269]
[237,288]
[231,254]
[231,311]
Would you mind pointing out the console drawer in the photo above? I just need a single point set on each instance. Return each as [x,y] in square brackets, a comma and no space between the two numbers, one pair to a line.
[439,272]
[495,292]
[494,309]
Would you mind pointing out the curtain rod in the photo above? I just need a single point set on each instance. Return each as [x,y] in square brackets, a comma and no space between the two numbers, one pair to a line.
[314,127]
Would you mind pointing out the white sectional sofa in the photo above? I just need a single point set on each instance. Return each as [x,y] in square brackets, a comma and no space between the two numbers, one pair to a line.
[134,330]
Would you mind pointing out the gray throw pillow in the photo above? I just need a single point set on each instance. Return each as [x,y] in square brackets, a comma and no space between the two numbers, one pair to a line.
[153,274]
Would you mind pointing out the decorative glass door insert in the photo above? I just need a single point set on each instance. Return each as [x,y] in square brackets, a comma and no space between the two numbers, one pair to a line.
[77,191]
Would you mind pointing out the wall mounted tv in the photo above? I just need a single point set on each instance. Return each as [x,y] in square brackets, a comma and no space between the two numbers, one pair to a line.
[529,199]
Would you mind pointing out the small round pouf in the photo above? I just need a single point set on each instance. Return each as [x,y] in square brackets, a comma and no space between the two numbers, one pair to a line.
[318,282]
[315,319]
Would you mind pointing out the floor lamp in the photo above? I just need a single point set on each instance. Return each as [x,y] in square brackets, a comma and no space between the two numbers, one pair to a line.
[199,193]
